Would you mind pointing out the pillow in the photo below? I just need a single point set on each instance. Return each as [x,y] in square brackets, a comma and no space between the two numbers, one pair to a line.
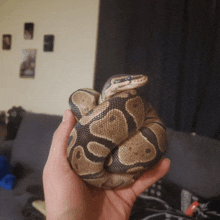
[195,163]
[33,140]
[6,177]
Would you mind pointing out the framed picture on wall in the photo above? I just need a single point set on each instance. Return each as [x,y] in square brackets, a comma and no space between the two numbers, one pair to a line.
[48,43]
[28,63]
[28,31]
[6,42]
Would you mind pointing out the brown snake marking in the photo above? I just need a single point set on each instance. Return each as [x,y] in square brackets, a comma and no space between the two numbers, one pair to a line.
[118,135]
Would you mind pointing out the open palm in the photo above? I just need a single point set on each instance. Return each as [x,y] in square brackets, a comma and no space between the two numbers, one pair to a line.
[67,196]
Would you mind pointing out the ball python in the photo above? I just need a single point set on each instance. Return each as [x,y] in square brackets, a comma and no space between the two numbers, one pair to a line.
[117,135]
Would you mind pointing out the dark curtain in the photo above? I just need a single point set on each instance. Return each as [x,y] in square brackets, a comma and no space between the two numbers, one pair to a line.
[176,43]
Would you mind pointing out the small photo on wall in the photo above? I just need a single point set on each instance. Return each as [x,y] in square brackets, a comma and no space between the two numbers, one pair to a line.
[48,43]
[6,42]
[28,63]
[28,31]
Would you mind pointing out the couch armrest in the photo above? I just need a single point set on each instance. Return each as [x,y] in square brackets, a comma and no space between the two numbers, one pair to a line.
[195,163]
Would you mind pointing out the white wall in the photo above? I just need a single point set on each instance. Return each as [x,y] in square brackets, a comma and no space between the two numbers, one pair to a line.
[71,65]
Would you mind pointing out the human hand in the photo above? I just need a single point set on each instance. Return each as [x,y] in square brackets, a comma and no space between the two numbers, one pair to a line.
[67,196]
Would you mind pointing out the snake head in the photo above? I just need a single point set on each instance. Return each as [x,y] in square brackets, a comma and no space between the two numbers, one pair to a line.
[120,83]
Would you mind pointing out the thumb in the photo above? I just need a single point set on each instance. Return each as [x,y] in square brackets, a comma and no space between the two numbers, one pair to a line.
[61,136]
[151,176]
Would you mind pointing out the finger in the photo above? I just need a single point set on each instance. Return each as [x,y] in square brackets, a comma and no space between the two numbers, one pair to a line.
[151,176]
[61,135]
[130,193]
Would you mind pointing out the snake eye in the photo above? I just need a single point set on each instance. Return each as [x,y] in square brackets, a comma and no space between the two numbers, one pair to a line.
[129,78]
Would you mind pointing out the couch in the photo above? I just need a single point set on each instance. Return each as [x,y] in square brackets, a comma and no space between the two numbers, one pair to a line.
[195,162]
[27,154]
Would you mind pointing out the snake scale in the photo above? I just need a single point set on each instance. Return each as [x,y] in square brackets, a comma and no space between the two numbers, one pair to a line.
[117,135]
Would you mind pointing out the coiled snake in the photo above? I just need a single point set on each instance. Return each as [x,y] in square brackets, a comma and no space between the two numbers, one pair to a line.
[117,135]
